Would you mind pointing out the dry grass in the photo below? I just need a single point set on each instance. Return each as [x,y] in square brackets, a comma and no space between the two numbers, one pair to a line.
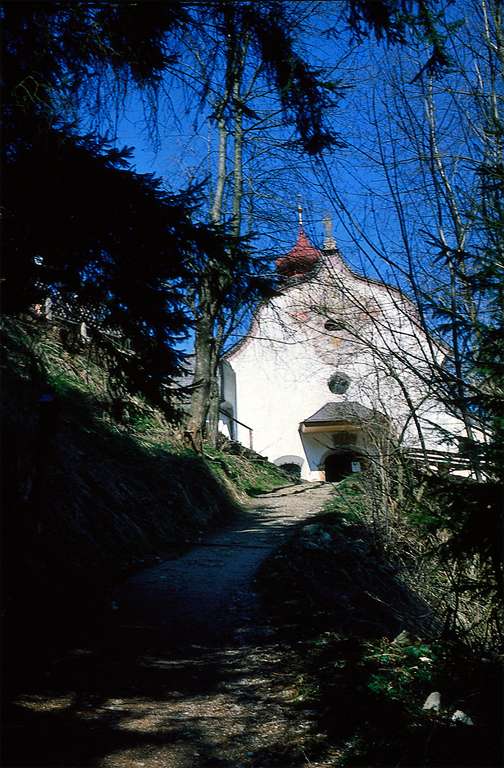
[459,590]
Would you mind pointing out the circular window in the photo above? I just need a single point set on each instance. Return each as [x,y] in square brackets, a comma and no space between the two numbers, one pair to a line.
[333,325]
[339,383]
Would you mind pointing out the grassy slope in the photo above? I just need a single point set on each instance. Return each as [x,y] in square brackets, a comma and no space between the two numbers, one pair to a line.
[367,653]
[85,497]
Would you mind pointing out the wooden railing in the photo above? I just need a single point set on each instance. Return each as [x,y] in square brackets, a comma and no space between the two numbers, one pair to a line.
[235,421]
[445,460]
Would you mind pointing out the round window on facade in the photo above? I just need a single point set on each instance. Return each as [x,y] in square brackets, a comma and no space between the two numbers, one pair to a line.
[338,383]
[333,325]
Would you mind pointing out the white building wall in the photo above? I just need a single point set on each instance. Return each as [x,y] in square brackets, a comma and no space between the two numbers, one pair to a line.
[283,366]
[227,405]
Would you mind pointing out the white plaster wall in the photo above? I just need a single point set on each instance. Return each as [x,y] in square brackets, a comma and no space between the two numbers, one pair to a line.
[283,367]
[228,384]
[227,404]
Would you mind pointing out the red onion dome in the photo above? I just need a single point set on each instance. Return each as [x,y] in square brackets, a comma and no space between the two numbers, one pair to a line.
[300,259]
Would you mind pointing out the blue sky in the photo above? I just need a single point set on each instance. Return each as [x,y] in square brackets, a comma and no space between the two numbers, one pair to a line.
[186,149]
[350,185]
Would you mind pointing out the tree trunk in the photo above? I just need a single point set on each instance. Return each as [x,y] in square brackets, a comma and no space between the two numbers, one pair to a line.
[213,416]
[213,411]
[216,212]
[237,161]
[202,382]
[209,328]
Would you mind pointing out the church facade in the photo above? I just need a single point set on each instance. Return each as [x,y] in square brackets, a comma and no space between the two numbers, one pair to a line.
[334,372]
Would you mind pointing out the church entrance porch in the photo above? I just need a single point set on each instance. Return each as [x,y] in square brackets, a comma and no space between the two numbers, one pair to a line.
[337,466]
[340,439]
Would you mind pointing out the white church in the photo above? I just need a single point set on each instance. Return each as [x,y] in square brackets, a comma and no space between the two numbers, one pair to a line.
[334,372]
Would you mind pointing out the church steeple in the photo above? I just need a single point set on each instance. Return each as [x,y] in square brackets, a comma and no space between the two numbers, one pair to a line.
[302,257]
[300,215]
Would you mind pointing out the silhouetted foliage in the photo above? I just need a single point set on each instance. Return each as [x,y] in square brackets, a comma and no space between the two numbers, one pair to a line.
[78,216]
[78,219]
[395,20]
[488,283]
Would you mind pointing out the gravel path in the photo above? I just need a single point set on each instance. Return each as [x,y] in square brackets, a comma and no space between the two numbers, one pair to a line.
[187,674]
[208,592]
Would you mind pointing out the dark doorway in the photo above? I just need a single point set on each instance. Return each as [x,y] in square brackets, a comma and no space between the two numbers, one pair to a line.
[337,466]
[294,470]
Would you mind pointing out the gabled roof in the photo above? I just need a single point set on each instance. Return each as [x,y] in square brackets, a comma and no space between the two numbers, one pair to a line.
[301,265]
[345,411]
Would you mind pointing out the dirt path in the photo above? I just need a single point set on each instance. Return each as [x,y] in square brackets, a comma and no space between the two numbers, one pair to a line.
[187,673]
[208,594]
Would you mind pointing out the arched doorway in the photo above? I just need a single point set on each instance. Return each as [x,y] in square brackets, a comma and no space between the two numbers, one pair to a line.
[290,464]
[340,465]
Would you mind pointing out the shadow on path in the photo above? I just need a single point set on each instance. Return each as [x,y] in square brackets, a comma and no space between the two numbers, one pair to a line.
[183,672]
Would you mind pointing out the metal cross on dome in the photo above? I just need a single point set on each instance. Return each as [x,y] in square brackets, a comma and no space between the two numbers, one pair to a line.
[300,211]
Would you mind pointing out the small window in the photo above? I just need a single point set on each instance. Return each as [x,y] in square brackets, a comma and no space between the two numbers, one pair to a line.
[333,325]
[339,383]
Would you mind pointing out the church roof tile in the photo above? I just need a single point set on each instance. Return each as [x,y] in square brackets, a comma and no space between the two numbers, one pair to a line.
[344,411]
[300,259]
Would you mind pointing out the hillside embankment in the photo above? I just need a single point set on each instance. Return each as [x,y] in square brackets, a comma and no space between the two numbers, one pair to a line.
[385,683]
[189,668]
[184,670]
[131,573]
[91,491]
